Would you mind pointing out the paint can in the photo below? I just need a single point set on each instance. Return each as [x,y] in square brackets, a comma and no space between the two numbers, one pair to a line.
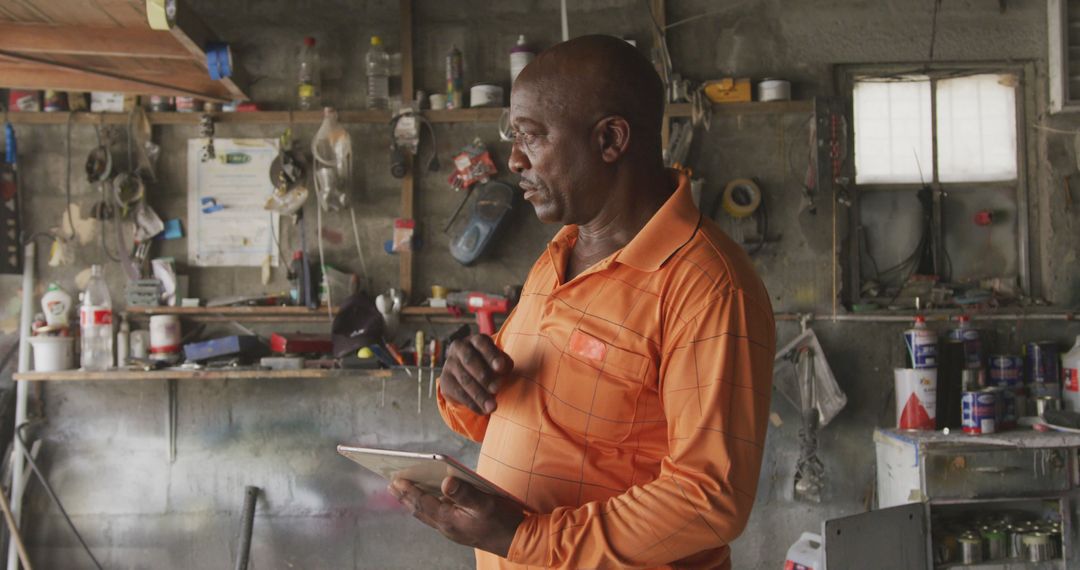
[972,345]
[921,345]
[1008,413]
[164,336]
[970,548]
[1043,368]
[1037,545]
[916,398]
[485,95]
[996,548]
[774,90]
[1006,370]
[978,411]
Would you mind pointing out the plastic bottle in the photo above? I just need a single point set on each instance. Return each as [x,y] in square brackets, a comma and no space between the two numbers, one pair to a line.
[309,86]
[1071,364]
[455,80]
[921,345]
[970,338]
[520,56]
[123,342]
[95,318]
[56,304]
[377,63]
[332,150]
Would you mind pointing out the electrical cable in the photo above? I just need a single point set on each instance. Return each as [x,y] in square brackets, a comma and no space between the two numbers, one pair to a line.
[67,181]
[359,250]
[322,263]
[52,494]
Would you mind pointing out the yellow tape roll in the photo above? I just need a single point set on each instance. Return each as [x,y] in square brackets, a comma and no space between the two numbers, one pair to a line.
[158,15]
[741,198]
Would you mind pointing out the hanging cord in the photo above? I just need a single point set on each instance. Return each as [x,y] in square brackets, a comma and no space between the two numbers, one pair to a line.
[67,180]
[359,250]
[322,259]
[105,206]
[51,493]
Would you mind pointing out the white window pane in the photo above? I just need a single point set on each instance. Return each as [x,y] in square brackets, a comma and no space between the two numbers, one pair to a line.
[892,131]
[977,128]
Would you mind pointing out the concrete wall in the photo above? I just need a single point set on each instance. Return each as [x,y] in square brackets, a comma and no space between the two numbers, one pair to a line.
[104,444]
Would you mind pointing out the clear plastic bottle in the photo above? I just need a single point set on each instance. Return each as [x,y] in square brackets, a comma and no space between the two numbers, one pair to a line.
[377,64]
[309,87]
[332,150]
[95,319]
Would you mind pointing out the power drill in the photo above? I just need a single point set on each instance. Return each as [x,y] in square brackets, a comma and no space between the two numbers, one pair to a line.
[484,305]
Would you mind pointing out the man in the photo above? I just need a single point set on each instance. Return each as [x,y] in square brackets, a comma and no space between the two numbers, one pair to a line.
[625,398]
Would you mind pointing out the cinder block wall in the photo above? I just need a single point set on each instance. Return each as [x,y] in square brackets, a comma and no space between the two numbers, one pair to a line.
[104,443]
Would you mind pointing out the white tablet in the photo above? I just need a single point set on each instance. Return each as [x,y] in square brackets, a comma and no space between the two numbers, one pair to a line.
[425,470]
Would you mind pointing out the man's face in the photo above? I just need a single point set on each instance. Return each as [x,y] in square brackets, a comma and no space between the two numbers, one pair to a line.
[551,152]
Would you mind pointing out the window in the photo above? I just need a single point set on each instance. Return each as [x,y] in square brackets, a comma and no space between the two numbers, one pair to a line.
[894,129]
[936,152]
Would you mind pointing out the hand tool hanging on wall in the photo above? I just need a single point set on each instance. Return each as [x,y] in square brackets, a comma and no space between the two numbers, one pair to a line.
[405,142]
[247,523]
[419,370]
[490,209]
[484,305]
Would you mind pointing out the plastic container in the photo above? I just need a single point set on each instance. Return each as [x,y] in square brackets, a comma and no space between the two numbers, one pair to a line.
[95,320]
[53,353]
[520,56]
[309,84]
[332,150]
[806,553]
[377,65]
[56,304]
[1071,364]
[123,343]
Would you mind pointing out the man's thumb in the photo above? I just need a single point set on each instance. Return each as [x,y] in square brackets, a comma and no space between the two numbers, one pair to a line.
[464,494]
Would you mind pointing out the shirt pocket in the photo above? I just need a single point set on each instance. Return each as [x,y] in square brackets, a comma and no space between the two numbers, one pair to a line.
[616,377]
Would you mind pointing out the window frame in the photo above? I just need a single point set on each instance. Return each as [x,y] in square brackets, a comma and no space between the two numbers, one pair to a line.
[846,77]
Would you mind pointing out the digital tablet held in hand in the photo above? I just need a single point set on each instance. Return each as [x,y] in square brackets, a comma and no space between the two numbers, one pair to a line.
[425,470]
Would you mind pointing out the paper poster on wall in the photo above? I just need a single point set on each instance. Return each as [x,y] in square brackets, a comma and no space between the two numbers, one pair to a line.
[227,225]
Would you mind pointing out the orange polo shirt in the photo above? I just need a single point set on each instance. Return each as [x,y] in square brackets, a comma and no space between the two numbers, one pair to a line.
[634,420]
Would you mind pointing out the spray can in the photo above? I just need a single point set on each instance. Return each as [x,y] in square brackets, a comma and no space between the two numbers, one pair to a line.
[921,345]
[972,345]
[520,56]
[1071,391]
[455,80]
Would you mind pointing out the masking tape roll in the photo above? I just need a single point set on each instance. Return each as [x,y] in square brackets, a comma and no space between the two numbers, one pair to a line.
[218,60]
[157,15]
[741,198]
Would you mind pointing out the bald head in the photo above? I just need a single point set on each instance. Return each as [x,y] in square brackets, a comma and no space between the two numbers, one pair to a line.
[591,77]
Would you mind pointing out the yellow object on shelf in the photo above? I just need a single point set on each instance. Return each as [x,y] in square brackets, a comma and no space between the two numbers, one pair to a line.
[728,90]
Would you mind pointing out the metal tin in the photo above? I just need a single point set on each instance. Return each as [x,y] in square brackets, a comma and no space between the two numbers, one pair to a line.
[160,103]
[1006,370]
[1038,547]
[972,345]
[972,379]
[774,90]
[916,398]
[1009,413]
[486,95]
[1043,403]
[996,548]
[971,548]
[1042,368]
[978,411]
[55,101]
[1016,542]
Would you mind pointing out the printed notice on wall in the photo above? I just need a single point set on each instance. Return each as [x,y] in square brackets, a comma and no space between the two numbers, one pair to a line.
[227,224]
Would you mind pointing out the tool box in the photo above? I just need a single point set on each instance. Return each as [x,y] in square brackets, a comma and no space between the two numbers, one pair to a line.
[246,347]
[301,343]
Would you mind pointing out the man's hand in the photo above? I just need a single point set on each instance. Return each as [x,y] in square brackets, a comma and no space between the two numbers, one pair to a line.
[471,373]
[464,514]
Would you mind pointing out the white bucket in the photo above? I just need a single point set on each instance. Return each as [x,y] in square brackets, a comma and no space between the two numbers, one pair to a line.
[53,353]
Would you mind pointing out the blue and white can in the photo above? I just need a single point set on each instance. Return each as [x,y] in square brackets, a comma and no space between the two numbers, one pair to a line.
[921,344]
[979,412]
[1006,370]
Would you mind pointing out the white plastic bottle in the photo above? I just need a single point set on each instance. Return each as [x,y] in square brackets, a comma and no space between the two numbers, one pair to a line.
[377,64]
[1071,365]
[309,88]
[520,56]
[95,319]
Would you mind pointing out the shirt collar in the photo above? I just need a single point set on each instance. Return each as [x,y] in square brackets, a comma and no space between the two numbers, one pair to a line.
[668,230]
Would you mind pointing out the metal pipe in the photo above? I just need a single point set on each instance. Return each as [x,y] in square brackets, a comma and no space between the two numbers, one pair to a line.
[26,319]
[243,552]
[803,317]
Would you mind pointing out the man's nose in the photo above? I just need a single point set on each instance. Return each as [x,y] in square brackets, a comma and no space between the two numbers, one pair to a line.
[517,162]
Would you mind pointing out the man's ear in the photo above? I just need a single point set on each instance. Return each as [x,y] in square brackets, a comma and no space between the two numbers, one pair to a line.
[613,136]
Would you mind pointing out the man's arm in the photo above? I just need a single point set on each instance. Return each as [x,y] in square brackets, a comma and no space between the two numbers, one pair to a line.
[460,418]
[716,385]
[474,367]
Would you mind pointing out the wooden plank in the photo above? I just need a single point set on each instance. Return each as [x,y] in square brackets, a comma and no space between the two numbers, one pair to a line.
[749,108]
[204,374]
[408,183]
[85,40]
[39,73]
[478,115]
[193,34]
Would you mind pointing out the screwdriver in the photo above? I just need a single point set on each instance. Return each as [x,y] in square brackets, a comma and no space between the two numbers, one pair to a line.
[419,371]
[434,354]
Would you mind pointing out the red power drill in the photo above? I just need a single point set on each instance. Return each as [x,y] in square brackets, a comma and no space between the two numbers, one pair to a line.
[483,304]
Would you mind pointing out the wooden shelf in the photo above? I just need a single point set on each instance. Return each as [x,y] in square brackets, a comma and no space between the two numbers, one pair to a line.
[286,314]
[363,116]
[204,374]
